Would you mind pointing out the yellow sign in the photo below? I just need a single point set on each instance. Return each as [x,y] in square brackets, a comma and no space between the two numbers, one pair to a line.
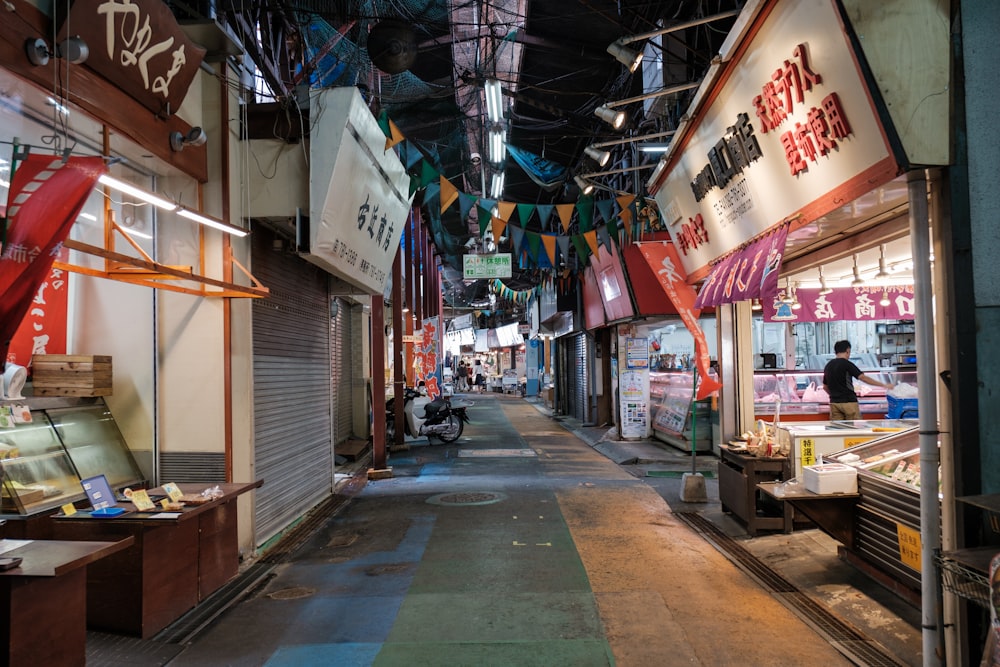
[69,509]
[807,448]
[173,491]
[909,546]
[850,442]
[142,501]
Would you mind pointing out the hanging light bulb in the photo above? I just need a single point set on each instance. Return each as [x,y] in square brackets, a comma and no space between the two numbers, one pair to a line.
[883,273]
[857,282]
[824,289]
[884,301]
[756,305]
[787,297]
[795,297]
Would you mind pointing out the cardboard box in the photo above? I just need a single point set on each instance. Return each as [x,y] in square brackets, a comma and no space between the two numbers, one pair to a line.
[830,478]
[71,375]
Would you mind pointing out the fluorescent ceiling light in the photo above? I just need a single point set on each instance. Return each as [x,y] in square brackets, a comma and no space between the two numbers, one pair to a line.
[653,147]
[494,100]
[496,188]
[147,197]
[615,119]
[497,150]
[211,222]
[133,232]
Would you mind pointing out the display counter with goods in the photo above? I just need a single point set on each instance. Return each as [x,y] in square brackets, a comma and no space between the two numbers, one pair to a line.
[50,444]
[677,419]
[808,441]
[178,557]
[799,395]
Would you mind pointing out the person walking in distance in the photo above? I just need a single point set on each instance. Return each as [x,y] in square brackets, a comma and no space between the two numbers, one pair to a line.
[480,376]
[838,381]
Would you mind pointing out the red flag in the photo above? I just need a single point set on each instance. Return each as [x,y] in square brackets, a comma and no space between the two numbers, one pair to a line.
[46,195]
[666,264]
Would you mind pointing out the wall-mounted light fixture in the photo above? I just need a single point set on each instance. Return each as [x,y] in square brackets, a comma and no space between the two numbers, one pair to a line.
[586,187]
[72,49]
[598,155]
[195,137]
[619,43]
[626,56]
[615,119]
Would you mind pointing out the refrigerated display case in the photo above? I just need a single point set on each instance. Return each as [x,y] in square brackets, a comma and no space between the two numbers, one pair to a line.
[676,418]
[887,515]
[808,441]
[798,395]
[44,456]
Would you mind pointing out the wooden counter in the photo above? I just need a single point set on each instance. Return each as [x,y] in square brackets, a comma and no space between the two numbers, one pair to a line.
[739,476]
[45,600]
[832,513]
[173,564]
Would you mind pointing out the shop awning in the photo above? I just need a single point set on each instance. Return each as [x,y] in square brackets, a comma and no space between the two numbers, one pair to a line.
[749,272]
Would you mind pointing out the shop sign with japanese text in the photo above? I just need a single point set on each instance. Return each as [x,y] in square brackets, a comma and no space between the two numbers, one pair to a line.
[497,265]
[789,132]
[868,302]
[138,46]
[357,203]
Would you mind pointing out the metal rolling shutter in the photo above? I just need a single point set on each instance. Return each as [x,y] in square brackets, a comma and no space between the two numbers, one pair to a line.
[293,451]
[341,353]
[578,376]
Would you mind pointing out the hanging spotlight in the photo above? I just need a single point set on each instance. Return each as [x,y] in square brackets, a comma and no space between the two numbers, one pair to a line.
[882,272]
[788,297]
[796,304]
[615,119]
[625,55]
[857,282]
[586,187]
[756,305]
[599,156]
[884,301]
[824,289]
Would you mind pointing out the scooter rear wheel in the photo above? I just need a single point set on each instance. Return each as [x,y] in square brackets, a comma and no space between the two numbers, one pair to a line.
[452,428]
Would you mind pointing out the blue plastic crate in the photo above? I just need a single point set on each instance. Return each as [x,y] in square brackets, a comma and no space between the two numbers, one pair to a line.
[902,408]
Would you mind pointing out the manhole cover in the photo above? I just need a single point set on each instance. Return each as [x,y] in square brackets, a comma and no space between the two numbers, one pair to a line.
[467,498]
[291,593]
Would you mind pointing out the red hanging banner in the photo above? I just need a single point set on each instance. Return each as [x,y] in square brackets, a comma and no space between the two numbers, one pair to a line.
[664,261]
[46,195]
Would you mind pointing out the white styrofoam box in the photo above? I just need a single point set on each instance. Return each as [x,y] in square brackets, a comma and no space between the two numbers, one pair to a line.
[830,478]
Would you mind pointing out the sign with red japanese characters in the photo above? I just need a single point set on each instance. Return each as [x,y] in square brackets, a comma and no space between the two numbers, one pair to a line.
[138,45]
[425,361]
[43,329]
[868,302]
[789,132]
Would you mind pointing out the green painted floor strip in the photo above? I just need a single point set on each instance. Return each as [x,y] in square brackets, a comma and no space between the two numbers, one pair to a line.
[677,473]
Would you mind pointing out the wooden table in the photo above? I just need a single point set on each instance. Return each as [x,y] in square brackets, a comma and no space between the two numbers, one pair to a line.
[173,564]
[832,513]
[739,475]
[45,600]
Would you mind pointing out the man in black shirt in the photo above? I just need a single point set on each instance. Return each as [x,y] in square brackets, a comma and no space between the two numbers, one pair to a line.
[838,380]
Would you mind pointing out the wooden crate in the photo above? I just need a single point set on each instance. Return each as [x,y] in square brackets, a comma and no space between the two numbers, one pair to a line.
[71,375]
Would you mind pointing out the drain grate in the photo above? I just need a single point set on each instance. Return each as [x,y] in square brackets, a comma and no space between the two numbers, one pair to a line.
[295,593]
[847,639]
[467,498]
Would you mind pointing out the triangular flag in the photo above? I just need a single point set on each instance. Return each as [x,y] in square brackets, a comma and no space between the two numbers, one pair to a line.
[614,231]
[582,251]
[605,207]
[394,136]
[383,122]
[516,239]
[449,193]
[550,247]
[488,204]
[624,201]
[524,212]
[484,219]
[605,238]
[591,238]
[499,224]
[544,213]
[585,208]
[534,245]
[563,243]
[565,212]
[413,154]
[626,218]
[465,204]
[428,173]
[505,209]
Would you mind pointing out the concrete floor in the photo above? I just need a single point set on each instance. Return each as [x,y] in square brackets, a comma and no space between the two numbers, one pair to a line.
[533,541]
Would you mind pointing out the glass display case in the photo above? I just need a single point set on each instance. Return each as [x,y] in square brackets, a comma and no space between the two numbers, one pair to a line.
[799,395]
[671,397]
[53,446]
[894,460]
[808,441]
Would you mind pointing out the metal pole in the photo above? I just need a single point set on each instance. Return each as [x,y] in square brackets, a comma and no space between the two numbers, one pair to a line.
[930,458]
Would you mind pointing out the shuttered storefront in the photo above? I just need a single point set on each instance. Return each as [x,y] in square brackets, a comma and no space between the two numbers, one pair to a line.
[292,387]
[341,353]
[577,375]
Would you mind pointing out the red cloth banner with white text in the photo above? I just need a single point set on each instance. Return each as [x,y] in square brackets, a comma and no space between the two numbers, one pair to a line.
[663,259]
[748,273]
[46,195]
[425,358]
[43,329]
[844,303]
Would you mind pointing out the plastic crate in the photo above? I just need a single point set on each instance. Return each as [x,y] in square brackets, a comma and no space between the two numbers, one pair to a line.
[901,408]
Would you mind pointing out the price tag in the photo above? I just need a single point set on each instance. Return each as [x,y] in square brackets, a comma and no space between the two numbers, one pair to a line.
[69,509]
[142,501]
[173,491]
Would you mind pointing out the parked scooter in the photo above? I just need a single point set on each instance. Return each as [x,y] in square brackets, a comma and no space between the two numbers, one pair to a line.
[443,418]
